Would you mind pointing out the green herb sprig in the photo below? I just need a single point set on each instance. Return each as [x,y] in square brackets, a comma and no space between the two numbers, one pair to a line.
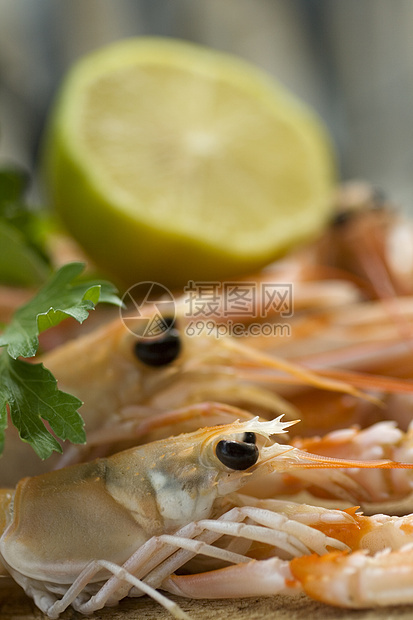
[23,259]
[29,391]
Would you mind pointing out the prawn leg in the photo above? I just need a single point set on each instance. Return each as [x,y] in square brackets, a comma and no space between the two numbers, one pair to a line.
[359,532]
[151,509]
[113,590]
[257,578]
[343,579]
[157,559]
[53,608]
[354,580]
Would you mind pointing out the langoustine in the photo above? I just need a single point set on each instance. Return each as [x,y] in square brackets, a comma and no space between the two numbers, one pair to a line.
[372,488]
[93,533]
[121,389]
[375,570]
[369,247]
[121,392]
[103,370]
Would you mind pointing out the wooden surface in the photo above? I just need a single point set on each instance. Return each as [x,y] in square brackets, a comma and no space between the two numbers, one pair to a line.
[14,605]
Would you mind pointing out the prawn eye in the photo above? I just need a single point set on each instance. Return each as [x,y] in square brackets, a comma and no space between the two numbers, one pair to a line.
[249,438]
[159,352]
[237,455]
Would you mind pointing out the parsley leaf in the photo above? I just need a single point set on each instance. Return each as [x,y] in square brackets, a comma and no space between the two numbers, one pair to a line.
[57,300]
[19,264]
[23,260]
[30,390]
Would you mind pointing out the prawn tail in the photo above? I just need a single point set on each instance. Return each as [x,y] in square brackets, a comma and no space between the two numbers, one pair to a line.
[357,580]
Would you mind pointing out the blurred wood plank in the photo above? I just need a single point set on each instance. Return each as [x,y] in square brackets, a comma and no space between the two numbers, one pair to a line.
[14,605]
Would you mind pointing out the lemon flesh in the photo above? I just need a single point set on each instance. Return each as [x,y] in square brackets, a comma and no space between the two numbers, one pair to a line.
[169,162]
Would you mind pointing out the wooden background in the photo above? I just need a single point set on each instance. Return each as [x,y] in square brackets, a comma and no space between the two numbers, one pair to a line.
[14,605]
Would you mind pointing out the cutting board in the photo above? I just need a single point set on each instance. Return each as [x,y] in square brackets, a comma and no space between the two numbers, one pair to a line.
[14,605]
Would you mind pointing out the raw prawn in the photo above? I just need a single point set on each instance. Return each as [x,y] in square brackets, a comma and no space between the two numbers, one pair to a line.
[361,344]
[120,389]
[374,571]
[370,487]
[93,533]
[109,369]
[392,491]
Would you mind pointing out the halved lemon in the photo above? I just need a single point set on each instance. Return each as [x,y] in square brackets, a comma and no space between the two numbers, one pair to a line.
[168,162]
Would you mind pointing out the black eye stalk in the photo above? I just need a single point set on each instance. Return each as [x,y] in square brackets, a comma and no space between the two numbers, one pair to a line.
[236,454]
[249,438]
[161,351]
[375,201]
